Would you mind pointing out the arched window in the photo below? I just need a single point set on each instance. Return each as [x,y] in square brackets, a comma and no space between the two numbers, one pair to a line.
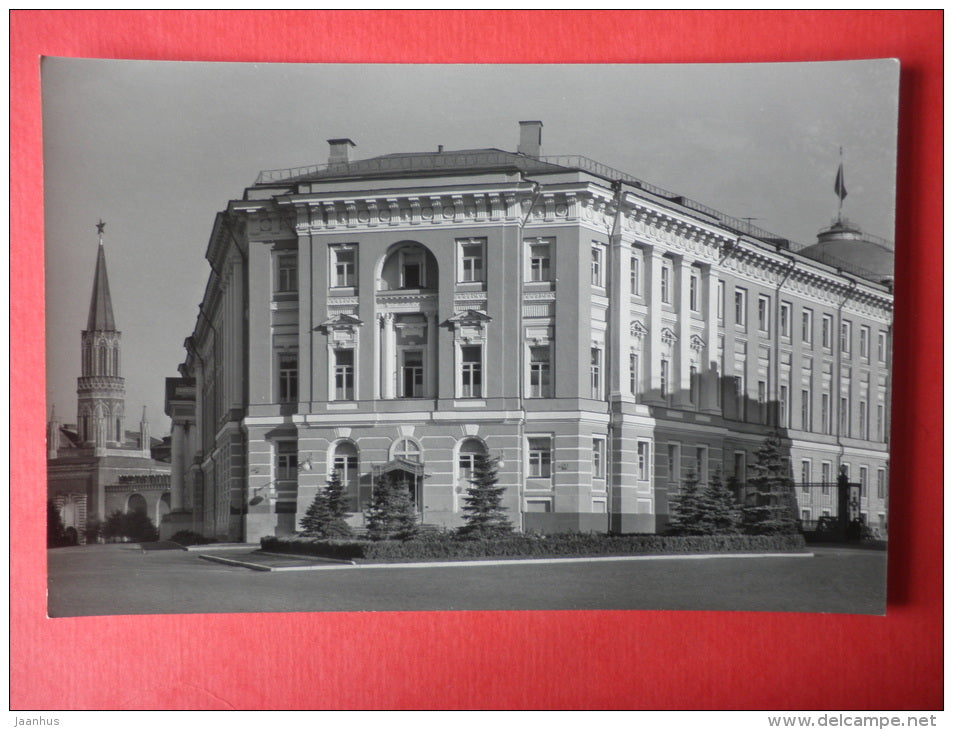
[137,503]
[119,430]
[115,361]
[101,350]
[467,459]
[345,463]
[407,450]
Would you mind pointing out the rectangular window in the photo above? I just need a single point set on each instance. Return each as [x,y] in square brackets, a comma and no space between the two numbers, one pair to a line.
[663,379]
[596,269]
[642,460]
[539,262]
[783,406]
[806,410]
[845,337]
[635,276]
[845,416]
[880,424]
[805,474]
[786,319]
[762,401]
[881,347]
[471,380]
[471,261]
[701,464]
[881,484]
[665,283]
[864,431]
[827,327]
[540,458]
[826,477]
[598,458]
[344,266]
[825,413]
[863,481]
[693,383]
[288,378]
[674,463]
[595,373]
[865,342]
[693,292]
[344,374]
[634,373]
[721,301]
[412,374]
[764,314]
[540,375]
[807,326]
[741,307]
[286,461]
[287,272]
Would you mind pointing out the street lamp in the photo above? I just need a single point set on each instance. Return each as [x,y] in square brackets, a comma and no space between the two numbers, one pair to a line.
[269,488]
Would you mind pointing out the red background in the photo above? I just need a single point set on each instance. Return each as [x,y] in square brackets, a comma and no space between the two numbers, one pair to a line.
[507,660]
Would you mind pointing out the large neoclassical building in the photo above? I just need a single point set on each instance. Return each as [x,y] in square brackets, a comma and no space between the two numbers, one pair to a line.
[601,337]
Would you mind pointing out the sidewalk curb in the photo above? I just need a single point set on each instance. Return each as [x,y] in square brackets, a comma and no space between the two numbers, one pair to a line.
[344,565]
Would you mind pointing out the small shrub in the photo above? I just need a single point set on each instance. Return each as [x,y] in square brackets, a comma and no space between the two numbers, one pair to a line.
[570,544]
[188,537]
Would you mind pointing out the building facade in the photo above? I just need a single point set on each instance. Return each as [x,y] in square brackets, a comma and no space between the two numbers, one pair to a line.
[96,467]
[601,337]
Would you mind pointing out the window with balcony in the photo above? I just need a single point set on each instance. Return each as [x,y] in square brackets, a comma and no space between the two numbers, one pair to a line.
[344,374]
[471,371]
[595,373]
[412,374]
[288,378]
[540,372]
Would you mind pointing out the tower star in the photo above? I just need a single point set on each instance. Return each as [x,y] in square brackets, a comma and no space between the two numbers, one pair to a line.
[100,227]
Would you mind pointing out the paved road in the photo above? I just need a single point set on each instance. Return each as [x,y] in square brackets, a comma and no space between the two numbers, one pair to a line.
[122,579]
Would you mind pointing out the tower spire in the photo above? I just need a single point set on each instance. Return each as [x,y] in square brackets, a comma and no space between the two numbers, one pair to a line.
[100,305]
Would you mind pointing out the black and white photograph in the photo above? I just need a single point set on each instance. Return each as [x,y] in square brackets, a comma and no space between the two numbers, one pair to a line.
[342,337]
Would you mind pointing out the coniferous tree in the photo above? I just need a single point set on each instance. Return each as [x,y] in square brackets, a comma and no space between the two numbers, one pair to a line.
[686,513]
[483,515]
[770,505]
[325,515]
[391,513]
[721,513]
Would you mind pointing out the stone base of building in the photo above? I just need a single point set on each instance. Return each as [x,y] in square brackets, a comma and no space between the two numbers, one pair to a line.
[629,523]
[174,522]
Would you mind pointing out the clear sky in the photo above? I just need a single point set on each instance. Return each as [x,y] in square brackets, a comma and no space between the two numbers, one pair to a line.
[155,149]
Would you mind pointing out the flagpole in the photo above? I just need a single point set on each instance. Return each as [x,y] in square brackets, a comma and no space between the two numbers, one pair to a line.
[840,198]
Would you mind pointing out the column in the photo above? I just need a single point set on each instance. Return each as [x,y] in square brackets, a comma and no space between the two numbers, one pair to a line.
[432,354]
[682,381]
[709,366]
[653,342]
[177,475]
[388,356]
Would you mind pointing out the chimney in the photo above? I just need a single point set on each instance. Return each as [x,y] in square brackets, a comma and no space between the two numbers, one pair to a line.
[531,137]
[339,150]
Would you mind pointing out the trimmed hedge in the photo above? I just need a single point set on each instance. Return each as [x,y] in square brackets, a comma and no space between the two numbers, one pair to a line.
[448,545]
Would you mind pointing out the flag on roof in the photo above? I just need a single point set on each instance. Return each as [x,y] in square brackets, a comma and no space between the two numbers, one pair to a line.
[839,187]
